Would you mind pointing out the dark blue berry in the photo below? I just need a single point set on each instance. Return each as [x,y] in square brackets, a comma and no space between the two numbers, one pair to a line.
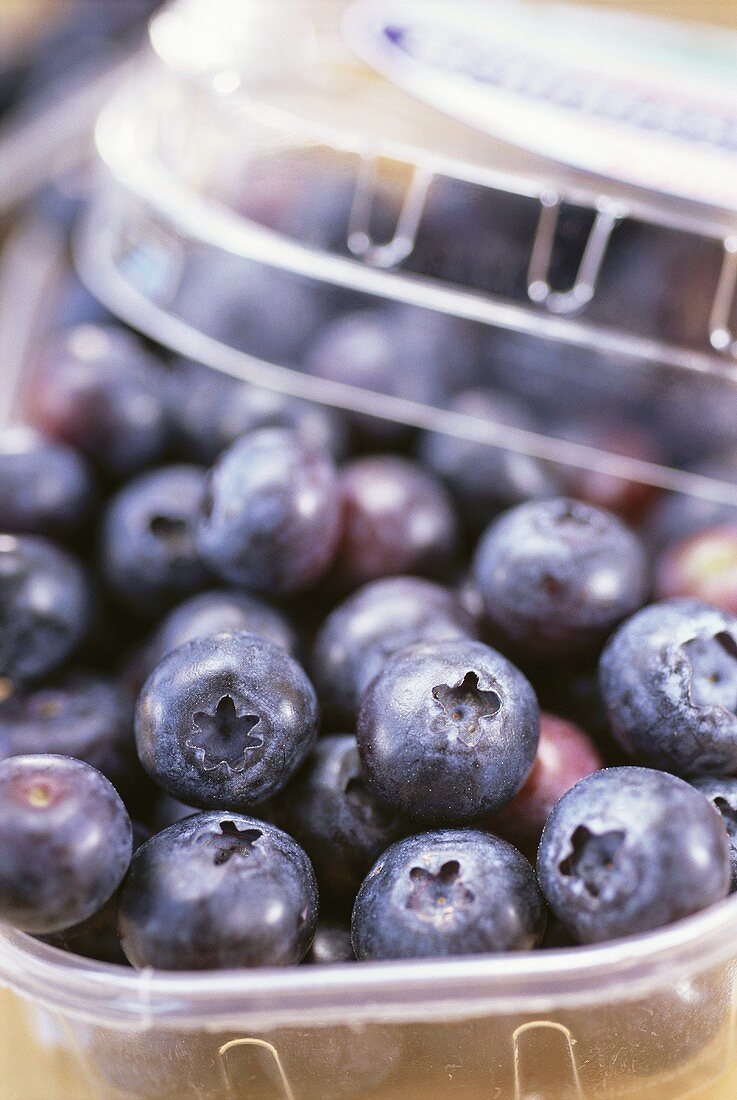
[148,551]
[448,732]
[404,352]
[485,479]
[629,849]
[101,392]
[225,721]
[338,821]
[255,307]
[722,793]
[332,944]
[222,611]
[97,937]
[213,410]
[675,516]
[271,519]
[361,634]
[65,842]
[669,682]
[46,487]
[397,519]
[79,714]
[250,897]
[556,576]
[448,892]
[45,607]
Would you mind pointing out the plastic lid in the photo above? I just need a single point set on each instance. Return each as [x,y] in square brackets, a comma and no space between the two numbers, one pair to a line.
[636,99]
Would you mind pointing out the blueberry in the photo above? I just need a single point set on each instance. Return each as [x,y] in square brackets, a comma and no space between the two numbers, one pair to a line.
[627,497]
[397,519]
[360,635]
[45,606]
[629,849]
[250,897]
[94,938]
[271,520]
[221,611]
[564,755]
[79,714]
[669,682]
[340,824]
[448,892]
[332,944]
[148,549]
[696,414]
[485,479]
[213,410]
[97,936]
[476,236]
[722,793]
[404,352]
[448,732]
[557,576]
[224,721]
[46,487]
[100,391]
[255,307]
[702,565]
[675,516]
[65,842]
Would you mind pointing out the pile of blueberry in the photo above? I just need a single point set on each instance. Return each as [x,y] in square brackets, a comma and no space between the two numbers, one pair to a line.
[254,653]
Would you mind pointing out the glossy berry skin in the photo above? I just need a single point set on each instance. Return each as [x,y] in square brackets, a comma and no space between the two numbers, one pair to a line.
[45,607]
[271,520]
[220,611]
[397,519]
[100,391]
[448,892]
[250,897]
[79,714]
[332,944]
[556,576]
[630,849]
[65,842]
[448,732]
[213,410]
[703,566]
[722,793]
[341,825]
[564,755]
[485,479]
[97,937]
[225,721]
[364,631]
[668,678]
[148,550]
[46,487]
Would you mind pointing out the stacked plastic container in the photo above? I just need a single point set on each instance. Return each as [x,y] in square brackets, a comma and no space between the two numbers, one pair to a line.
[255,182]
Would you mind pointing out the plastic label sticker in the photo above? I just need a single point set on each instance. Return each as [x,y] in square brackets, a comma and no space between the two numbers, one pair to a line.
[634,98]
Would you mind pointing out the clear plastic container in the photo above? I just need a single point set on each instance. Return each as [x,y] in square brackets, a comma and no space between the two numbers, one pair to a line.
[194,149]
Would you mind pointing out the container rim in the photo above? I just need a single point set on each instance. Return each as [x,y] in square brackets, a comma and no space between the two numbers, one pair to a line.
[376,991]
